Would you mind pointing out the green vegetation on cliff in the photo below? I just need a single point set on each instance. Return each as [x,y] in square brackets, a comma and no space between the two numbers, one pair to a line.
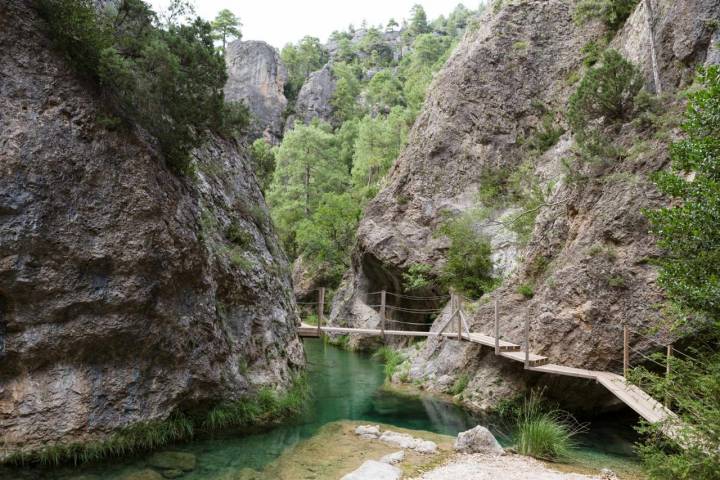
[337,168]
[689,232]
[166,76]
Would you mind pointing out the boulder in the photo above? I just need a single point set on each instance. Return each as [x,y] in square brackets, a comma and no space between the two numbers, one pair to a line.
[477,440]
[368,431]
[393,458]
[426,447]
[314,98]
[173,461]
[374,470]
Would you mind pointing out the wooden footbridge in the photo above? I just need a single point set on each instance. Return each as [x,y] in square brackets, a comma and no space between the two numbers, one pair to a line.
[642,403]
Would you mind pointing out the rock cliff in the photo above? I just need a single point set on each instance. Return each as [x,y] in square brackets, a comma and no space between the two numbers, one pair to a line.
[314,98]
[257,77]
[126,293]
[587,258]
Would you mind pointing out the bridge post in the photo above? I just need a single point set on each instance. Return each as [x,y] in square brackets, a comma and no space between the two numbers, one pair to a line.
[321,308]
[626,350]
[382,313]
[497,330]
[458,302]
[527,341]
[667,373]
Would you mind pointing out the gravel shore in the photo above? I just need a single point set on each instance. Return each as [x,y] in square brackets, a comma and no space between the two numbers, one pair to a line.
[491,467]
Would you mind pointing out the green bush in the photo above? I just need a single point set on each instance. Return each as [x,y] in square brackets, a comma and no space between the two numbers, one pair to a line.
[239,236]
[469,267]
[460,384]
[546,135]
[612,13]
[606,94]
[391,358]
[168,80]
[544,432]
[417,277]
[526,290]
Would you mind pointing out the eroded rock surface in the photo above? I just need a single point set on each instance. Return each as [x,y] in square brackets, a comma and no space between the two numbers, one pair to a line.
[257,76]
[314,98]
[122,299]
[587,260]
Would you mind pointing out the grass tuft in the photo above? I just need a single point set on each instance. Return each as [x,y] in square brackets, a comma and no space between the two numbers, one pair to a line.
[391,358]
[544,432]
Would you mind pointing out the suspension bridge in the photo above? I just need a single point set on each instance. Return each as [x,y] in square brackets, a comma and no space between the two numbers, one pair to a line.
[455,326]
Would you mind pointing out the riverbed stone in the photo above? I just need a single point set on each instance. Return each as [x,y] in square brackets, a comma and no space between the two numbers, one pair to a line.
[172,473]
[393,458]
[426,446]
[368,431]
[402,440]
[147,474]
[374,470]
[173,461]
[477,440]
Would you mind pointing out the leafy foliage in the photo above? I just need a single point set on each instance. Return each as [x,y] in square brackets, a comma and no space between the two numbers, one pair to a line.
[460,384]
[326,238]
[605,95]
[469,267]
[300,61]
[226,26]
[689,232]
[418,276]
[263,157]
[169,80]
[391,358]
[612,13]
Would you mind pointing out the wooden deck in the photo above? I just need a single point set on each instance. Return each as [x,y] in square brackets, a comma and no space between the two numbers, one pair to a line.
[642,403]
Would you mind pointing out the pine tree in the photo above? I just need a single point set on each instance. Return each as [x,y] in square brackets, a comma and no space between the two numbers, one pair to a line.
[226,26]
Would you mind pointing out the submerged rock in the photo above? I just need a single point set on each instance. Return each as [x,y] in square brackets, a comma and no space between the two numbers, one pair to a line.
[477,440]
[146,474]
[173,461]
[172,473]
[374,470]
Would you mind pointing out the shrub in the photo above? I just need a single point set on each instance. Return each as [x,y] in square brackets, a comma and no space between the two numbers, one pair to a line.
[612,13]
[546,136]
[239,236]
[169,80]
[417,277]
[469,266]
[460,384]
[526,290]
[390,358]
[606,94]
[543,432]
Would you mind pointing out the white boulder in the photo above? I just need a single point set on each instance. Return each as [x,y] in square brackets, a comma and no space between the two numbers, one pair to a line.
[477,440]
[393,458]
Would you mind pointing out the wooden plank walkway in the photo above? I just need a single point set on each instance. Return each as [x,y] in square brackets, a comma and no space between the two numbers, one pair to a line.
[642,403]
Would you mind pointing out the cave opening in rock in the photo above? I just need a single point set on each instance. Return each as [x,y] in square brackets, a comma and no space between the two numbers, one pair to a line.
[414,309]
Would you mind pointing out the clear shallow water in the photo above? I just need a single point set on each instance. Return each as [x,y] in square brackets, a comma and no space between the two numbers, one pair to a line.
[345,386]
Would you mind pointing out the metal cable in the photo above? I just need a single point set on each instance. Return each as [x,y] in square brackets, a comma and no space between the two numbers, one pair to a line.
[414,297]
[414,310]
[648,358]
[408,323]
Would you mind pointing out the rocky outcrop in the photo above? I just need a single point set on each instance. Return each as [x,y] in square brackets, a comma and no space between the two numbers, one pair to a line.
[257,77]
[477,440]
[122,298]
[314,98]
[587,259]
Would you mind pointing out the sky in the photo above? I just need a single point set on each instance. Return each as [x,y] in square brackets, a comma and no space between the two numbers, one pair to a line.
[281,21]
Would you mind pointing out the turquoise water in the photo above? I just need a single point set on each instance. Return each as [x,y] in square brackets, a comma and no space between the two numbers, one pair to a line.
[345,386]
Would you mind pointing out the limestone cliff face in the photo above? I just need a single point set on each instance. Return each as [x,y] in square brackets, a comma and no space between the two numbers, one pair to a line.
[314,98]
[257,76]
[121,299]
[587,257]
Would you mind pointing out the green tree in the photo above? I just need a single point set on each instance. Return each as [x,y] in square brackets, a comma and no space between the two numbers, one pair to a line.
[379,141]
[226,26]
[428,54]
[469,266]
[384,91]
[169,80]
[301,60]
[374,48]
[391,25]
[345,136]
[612,13]
[326,238]
[689,233]
[307,166]
[263,157]
[347,90]
[418,21]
